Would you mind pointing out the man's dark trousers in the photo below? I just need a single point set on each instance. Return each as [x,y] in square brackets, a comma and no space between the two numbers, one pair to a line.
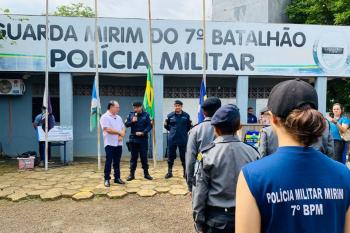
[42,150]
[113,155]
[172,154]
[139,148]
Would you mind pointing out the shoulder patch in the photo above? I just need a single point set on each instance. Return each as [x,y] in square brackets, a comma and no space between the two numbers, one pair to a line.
[208,147]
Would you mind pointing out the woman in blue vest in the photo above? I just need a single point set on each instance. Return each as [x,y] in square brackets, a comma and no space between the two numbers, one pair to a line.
[339,125]
[297,189]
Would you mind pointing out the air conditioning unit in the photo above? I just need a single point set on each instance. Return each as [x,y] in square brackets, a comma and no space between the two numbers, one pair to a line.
[12,87]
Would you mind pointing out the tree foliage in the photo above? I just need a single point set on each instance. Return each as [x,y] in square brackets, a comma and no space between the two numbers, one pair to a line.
[330,12]
[4,12]
[74,9]
[338,92]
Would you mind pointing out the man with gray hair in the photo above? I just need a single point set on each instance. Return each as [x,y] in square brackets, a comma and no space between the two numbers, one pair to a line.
[113,133]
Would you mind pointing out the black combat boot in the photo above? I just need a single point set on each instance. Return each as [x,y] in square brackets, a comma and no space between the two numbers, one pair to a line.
[170,172]
[184,169]
[131,176]
[147,175]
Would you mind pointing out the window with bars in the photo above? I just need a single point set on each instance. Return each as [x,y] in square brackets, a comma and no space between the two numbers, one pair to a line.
[169,92]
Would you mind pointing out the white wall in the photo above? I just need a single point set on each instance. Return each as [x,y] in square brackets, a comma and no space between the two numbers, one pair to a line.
[260,104]
[269,11]
[241,10]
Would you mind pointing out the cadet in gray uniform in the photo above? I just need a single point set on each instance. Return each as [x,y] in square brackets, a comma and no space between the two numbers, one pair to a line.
[268,142]
[214,190]
[200,136]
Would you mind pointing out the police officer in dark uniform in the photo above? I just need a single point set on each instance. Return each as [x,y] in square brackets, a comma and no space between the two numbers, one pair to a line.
[178,123]
[200,136]
[214,190]
[140,124]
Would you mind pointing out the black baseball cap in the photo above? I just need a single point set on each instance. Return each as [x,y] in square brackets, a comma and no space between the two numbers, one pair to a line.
[137,104]
[289,95]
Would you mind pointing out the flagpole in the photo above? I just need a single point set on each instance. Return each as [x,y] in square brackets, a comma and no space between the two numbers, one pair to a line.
[46,85]
[151,66]
[97,90]
[204,46]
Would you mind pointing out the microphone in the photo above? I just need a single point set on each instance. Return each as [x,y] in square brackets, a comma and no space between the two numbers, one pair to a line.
[135,116]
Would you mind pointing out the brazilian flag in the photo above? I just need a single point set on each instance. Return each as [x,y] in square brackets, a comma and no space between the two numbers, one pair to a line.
[148,100]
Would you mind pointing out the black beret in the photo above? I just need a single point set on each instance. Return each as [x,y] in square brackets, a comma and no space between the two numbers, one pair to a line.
[178,102]
[211,104]
[226,114]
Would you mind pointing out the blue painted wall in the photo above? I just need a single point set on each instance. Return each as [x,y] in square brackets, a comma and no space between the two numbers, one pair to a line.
[85,141]
[17,134]
[16,130]
[22,136]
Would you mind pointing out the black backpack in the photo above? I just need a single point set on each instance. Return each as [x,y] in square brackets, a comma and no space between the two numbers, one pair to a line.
[27,154]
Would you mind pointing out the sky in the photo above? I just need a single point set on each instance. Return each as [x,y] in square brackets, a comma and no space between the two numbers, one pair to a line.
[161,9]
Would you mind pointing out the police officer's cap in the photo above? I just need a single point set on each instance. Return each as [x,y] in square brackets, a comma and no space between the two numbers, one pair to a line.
[289,95]
[225,115]
[178,102]
[137,104]
[211,104]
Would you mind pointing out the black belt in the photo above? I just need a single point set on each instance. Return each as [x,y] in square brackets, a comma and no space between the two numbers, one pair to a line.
[221,209]
[134,136]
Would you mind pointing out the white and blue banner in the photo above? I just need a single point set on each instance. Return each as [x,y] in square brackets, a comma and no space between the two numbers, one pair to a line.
[232,48]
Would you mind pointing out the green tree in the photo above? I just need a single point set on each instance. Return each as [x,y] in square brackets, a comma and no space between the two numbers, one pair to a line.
[329,12]
[338,92]
[7,13]
[74,9]
[4,12]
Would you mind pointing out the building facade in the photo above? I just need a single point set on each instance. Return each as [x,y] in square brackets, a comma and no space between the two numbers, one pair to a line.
[244,62]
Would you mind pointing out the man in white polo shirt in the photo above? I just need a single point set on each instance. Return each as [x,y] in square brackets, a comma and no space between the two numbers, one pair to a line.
[113,133]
